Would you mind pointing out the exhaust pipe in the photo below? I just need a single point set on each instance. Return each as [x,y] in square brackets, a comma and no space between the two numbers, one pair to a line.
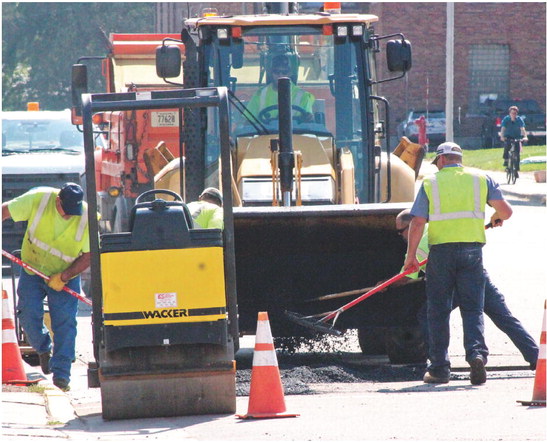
[286,152]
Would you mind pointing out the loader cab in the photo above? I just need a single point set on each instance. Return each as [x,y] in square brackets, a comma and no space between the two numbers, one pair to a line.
[331,58]
[333,64]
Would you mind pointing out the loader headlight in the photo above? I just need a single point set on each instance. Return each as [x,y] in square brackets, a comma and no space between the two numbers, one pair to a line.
[341,31]
[315,190]
[222,33]
[357,30]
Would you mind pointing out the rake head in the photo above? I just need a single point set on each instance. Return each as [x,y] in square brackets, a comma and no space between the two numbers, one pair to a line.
[313,324]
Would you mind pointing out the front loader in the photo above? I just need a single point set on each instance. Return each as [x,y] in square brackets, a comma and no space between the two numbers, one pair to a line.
[164,303]
[315,198]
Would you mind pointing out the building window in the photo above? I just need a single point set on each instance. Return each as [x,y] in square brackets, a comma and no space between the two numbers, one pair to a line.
[488,73]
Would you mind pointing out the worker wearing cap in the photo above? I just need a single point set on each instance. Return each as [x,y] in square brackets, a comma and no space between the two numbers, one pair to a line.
[267,96]
[494,301]
[56,243]
[207,212]
[453,202]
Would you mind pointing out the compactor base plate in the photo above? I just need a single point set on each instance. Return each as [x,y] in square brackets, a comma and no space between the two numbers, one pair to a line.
[179,394]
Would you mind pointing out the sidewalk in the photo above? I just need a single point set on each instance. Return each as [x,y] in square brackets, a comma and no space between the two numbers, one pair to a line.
[34,414]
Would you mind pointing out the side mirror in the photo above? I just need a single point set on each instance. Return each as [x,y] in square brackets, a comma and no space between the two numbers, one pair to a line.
[168,61]
[399,55]
[79,87]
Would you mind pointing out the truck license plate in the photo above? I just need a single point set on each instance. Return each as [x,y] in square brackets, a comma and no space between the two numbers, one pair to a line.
[164,119]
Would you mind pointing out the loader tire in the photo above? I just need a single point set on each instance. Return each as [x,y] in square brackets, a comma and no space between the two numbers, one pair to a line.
[372,340]
[405,345]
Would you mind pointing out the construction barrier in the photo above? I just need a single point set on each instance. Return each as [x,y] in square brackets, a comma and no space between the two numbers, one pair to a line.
[538,395]
[13,370]
[266,398]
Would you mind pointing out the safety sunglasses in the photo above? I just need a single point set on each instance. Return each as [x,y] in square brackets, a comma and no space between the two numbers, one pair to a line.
[401,231]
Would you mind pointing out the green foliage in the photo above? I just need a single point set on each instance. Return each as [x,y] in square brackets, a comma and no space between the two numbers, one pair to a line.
[492,159]
[41,41]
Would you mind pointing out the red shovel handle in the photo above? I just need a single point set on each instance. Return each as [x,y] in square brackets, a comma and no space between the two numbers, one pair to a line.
[371,292]
[41,275]
[380,287]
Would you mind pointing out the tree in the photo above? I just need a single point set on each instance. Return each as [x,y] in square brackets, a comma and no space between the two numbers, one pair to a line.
[41,41]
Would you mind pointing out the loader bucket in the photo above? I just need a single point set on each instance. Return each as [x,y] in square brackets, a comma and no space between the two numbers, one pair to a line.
[285,256]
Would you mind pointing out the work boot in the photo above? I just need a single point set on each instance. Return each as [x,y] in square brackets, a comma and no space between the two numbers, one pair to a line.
[478,372]
[432,379]
[61,383]
[44,362]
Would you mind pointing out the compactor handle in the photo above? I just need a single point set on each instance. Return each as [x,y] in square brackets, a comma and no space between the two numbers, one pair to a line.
[155,191]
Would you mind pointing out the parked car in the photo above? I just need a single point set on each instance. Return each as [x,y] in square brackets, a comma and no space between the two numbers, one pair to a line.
[39,148]
[494,112]
[435,127]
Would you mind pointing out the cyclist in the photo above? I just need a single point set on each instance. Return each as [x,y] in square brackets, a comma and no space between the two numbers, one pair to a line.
[512,128]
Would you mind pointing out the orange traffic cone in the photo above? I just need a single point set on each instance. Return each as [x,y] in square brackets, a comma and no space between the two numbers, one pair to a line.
[13,371]
[266,399]
[538,396]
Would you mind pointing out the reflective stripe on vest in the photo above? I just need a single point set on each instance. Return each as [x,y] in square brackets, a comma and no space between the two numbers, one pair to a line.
[436,203]
[46,247]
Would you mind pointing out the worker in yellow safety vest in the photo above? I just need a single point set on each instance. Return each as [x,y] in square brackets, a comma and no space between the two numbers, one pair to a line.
[56,243]
[266,97]
[207,212]
[453,202]
[495,306]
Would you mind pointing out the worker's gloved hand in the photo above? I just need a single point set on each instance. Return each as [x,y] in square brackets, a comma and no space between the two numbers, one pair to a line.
[56,282]
[496,221]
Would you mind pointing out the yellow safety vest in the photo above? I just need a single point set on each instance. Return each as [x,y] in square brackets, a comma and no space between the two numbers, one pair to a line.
[207,215]
[422,252]
[457,200]
[266,97]
[44,252]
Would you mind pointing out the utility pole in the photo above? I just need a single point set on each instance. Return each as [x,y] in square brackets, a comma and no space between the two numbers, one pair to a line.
[449,106]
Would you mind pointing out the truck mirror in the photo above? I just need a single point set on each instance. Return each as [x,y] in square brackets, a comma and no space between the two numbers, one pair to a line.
[237,54]
[79,87]
[168,61]
[399,55]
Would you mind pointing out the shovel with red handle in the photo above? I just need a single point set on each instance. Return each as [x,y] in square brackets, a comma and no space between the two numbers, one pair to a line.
[41,275]
[321,324]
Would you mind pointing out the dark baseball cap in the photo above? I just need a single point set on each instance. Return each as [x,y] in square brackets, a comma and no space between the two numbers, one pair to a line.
[71,196]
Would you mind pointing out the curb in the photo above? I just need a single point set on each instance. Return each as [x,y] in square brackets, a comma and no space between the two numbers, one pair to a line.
[534,198]
[58,405]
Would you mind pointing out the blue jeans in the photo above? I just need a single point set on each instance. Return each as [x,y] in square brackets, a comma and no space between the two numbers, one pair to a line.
[454,267]
[32,290]
[496,309]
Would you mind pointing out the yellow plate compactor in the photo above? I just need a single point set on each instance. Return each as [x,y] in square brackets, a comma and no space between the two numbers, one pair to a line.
[165,324]
[166,349]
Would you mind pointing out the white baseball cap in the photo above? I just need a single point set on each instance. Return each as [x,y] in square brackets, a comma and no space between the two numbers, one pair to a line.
[447,148]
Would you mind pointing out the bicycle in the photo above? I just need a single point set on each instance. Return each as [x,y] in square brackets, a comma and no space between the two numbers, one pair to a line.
[513,160]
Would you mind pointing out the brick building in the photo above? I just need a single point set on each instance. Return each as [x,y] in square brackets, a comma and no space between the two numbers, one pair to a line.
[499,52]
